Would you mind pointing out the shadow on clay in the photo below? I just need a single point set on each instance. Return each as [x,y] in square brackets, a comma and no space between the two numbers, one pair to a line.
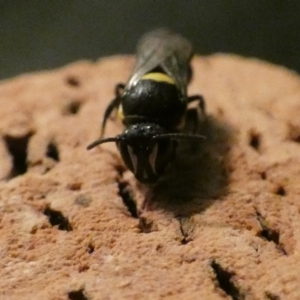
[198,175]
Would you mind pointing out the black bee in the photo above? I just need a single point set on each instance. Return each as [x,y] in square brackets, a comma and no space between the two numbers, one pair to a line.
[153,105]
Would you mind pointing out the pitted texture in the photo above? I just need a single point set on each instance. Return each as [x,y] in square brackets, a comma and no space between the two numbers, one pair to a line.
[223,223]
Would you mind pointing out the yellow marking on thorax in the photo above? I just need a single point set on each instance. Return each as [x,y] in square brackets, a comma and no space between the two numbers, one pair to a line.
[120,112]
[156,76]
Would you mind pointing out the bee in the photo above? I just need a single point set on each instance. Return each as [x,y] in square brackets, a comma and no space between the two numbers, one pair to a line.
[153,105]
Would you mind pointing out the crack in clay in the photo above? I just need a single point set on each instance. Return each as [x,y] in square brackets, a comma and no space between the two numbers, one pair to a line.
[185,229]
[56,218]
[224,279]
[128,201]
[145,225]
[77,295]
[17,147]
[269,234]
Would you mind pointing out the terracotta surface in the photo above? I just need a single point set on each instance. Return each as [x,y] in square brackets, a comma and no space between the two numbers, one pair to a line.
[223,223]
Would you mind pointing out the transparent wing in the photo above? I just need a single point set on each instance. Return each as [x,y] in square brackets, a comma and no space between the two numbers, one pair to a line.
[165,49]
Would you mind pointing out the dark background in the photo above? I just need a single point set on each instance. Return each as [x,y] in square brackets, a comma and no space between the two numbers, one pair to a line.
[45,34]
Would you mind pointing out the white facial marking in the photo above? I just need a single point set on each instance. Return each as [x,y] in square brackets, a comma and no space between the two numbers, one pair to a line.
[133,159]
[145,176]
[152,158]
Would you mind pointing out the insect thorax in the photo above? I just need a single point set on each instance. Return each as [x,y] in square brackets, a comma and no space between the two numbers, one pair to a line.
[156,101]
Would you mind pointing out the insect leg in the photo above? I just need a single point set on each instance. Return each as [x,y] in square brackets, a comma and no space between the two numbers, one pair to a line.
[193,113]
[111,106]
[201,102]
[192,120]
[119,89]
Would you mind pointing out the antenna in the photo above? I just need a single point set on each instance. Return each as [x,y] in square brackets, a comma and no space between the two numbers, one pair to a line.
[162,136]
[102,141]
[179,136]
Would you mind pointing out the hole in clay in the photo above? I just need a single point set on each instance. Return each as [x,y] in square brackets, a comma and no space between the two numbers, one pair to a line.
[74,186]
[280,191]
[127,199]
[17,147]
[224,279]
[73,108]
[56,218]
[120,169]
[254,140]
[263,175]
[269,234]
[272,296]
[52,151]
[90,248]
[294,133]
[296,139]
[73,81]
[77,295]
[83,268]
[83,201]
